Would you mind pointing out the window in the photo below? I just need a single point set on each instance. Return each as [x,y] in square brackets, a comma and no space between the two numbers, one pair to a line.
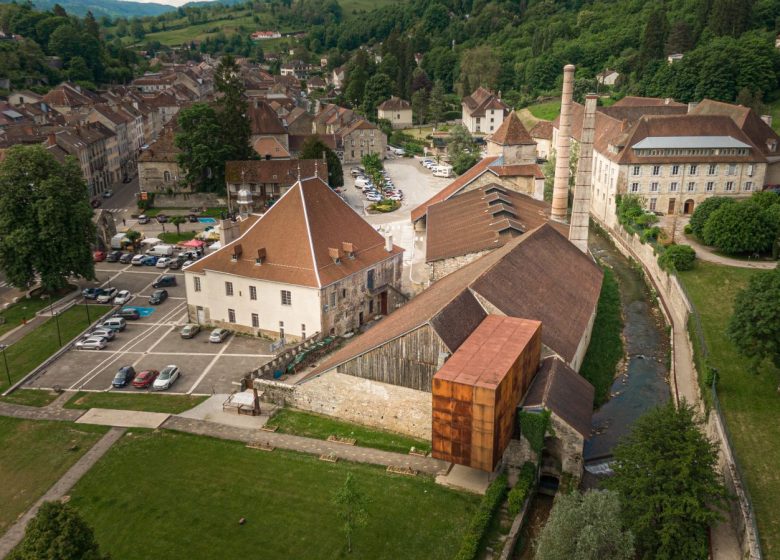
[675,170]
[281,329]
[332,299]
[656,170]
[710,186]
[197,283]
[749,186]
[635,171]
[167,176]
[654,186]
[286,297]
[343,293]
[693,169]
[653,202]
[303,330]
[691,186]
[231,315]
[634,187]
[673,186]
[713,170]
[255,320]
[252,292]
[228,288]
[751,170]
[729,186]
[732,169]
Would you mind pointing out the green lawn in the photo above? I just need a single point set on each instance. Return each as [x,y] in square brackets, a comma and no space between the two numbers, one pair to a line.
[547,111]
[200,31]
[26,354]
[170,495]
[147,402]
[42,452]
[606,346]
[172,237]
[320,427]
[30,397]
[26,309]
[749,398]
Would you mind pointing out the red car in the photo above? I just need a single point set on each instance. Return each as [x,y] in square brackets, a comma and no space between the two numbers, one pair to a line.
[99,256]
[145,379]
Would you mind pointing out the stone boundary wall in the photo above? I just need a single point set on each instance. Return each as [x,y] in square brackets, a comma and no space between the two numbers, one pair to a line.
[678,309]
[188,200]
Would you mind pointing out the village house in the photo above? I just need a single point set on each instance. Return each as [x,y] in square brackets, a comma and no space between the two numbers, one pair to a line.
[267,180]
[329,273]
[360,139]
[397,111]
[89,144]
[483,111]
[265,123]
[270,148]
[158,167]
[542,135]
[338,76]
[608,77]
[263,35]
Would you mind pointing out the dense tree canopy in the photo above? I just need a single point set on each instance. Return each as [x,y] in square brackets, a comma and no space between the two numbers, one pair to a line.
[203,150]
[314,148]
[46,224]
[755,325]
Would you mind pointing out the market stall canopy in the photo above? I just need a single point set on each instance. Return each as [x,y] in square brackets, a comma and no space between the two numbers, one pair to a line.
[192,243]
[151,241]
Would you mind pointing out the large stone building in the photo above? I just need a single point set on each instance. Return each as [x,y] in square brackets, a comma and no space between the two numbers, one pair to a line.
[360,139]
[308,265]
[158,166]
[265,181]
[397,111]
[483,111]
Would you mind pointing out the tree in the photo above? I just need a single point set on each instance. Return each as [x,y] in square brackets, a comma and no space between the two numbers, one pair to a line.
[461,149]
[677,257]
[435,19]
[703,212]
[585,527]
[58,532]
[46,224]
[670,490]
[203,151]
[479,66]
[378,88]
[654,38]
[178,221]
[730,17]
[133,236]
[741,228]
[137,29]
[232,109]
[315,148]
[351,506]
[754,327]
[420,105]
[436,103]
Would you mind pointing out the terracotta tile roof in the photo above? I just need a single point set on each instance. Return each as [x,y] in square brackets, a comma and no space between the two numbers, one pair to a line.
[512,133]
[481,100]
[539,276]
[542,130]
[517,170]
[295,114]
[65,95]
[263,119]
[471,222]
[269,147]
[490,351]
[564,392]
[395,104]
[163,149]
[746,119]
[280,171]
[635,101]
[296,234]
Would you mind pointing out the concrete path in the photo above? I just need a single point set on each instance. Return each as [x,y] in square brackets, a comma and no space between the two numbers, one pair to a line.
[211,410]
[123,418]
[39,413]
[307,445]
[15,533]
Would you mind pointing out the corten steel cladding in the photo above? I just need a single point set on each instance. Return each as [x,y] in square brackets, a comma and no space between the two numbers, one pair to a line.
[476,393]
[578,232]
[562,148]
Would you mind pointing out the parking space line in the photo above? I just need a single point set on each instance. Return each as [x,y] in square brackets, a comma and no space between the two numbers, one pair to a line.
[209,366]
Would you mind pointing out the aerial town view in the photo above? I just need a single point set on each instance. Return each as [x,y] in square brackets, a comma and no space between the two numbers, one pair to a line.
[390,279]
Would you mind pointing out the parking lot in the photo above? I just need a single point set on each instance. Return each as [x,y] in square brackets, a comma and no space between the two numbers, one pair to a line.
[153,342]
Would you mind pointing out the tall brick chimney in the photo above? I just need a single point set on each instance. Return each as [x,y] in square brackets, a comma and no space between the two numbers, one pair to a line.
[578,230]
[560,199]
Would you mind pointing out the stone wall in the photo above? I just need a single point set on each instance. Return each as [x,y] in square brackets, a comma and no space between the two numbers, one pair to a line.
[189,200]
[441,268]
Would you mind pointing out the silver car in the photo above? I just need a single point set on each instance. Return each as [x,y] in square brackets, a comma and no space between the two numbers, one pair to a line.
[108,334]
[167,377]
[218,335]
[92,343]
[107,295]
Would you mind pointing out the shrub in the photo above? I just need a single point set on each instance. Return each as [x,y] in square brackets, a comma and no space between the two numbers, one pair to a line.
[703,212]
[533,425]
[740,228]
[677,257]
[469,546]
[688,229]
[519,493]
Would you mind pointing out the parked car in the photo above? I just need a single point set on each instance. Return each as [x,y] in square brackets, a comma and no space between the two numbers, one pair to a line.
[193,218]
[138,260]
[106,295]
[92,343]
[113,256]
[373,197]
[108,193]
[143,219]
[218,335]
[189,331]
[122,297]
[167,377]
[99,256]
[108,334]
[175,263]
[164,281]
[125,375]
[150,260]
[158,296]
[126,258]
[130,313]
[91,293]
[163,262]
[162,219]
[115,323]
[145,378]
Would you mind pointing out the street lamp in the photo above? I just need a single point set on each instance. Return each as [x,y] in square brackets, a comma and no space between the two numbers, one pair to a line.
[5,359]
[86,306]
[57,319]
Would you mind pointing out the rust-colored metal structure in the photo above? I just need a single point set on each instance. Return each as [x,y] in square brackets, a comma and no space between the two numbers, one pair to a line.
[476,393]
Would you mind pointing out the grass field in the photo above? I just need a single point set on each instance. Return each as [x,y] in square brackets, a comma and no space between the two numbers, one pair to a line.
[26,309]
[749,398]
[199,31]
[42,452]
[147,402]
[169,495]
[547,111]
[26,354]
[30,397]
[320,427]
[606,347]
[172,237]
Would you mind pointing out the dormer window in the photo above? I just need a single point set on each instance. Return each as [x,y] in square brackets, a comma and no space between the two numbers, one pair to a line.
[772,145]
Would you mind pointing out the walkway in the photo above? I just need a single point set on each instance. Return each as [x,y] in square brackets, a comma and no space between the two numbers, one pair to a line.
[307,445]
[15,533]
[40,413]
[15,334]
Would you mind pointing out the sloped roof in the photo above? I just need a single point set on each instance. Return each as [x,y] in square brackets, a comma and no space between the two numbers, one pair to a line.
[395,104]
[745,118]
[512,133]
[263,119]
[543,130]
[268,146]
[564,392]
[481,100]
[296,234]
[284,172]
[65,95]
[163,149]
[636,101]
[296,141]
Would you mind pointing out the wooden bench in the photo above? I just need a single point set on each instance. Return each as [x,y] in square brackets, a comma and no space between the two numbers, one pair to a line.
[344,440]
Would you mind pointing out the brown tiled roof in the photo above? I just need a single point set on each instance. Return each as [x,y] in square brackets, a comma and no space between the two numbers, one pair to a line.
[517,170]
[293,115]
[163,149]
[481,100]
[635,101]
[543,130]
[512,133]
[359,124]
[472,221]
[269,146]
[313,219]
[65,96]
[263,119]
[746,119]
[284,172]
[564,392]
[296,141]
[395,104]
[539,276]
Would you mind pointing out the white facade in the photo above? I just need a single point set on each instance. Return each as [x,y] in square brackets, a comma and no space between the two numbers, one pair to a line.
[483,125]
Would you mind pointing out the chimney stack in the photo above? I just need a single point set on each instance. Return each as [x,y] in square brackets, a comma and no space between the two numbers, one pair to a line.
[767,119]
[578,230]
[389,243]
[560,199]
[52,140]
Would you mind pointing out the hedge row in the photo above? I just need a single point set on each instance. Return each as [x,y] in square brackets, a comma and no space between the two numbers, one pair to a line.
[469,546]
[519,493]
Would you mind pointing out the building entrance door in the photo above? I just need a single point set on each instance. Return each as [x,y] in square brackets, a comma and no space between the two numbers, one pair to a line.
[671,206]
[688,208]
[383,303]
[201,316]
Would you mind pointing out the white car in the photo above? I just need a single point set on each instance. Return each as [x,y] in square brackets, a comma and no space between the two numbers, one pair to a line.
[138,260]
[107,295]
[163,262]
[167,377]
[374,197]
[218,335]
[92,343]
[122,297]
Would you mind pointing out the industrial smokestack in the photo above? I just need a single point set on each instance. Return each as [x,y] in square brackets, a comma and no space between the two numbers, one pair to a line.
[578,231]
[561,186]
